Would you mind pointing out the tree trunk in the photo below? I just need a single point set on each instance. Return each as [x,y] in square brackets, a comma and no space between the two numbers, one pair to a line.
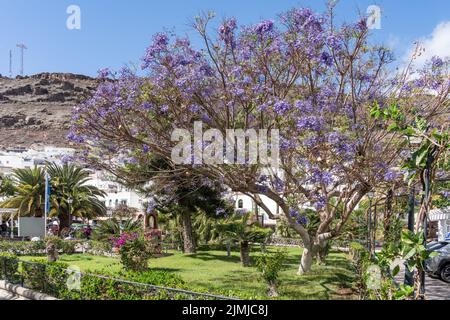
[64,222]
[245,254]
[228,249]
[52,252]
[273,290]
[306,260]
[188,236]
[322,253]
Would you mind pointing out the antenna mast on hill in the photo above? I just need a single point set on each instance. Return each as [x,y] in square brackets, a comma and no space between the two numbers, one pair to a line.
[10,63]
[22,48]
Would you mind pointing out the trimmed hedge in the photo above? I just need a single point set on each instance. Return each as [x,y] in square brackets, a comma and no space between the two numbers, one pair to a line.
[37,248]
[9,266]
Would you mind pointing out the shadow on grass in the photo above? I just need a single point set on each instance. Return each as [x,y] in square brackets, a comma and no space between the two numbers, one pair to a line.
[163,269]
[210,256]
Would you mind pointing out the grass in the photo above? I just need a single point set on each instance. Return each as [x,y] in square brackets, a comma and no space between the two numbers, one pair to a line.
[212,271]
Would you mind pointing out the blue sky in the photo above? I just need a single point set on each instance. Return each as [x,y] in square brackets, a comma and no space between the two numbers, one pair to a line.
[114,33]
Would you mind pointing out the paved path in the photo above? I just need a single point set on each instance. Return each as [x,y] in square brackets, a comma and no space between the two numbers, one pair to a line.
[435,289]
[6,295]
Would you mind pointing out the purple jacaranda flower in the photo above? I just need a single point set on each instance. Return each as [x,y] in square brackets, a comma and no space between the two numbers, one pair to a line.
[303,220]
[312,123]
[281,107]
[164,108]
[445,194]
[147,106]
[159,45]
[320,203]
[262,188]
[320,177]
[294,213]
[226,31]
[390,175]
[304,106]
[103,73]
[326,59]
[264,27]
[436,62]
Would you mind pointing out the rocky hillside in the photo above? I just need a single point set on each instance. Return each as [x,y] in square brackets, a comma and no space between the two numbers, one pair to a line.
[35,110]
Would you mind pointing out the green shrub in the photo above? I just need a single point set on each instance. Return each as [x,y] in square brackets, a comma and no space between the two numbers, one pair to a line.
[270,265]
[9,266]
[37,248]
[157,278]
[23,247]
[134,251]
[99,247]
[68,246]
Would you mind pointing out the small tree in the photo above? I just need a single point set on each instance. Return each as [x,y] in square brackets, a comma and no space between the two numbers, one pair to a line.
[240,229]
[114,228]
[270,265]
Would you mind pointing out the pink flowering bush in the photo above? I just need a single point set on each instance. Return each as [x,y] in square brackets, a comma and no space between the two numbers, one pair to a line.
[134,251]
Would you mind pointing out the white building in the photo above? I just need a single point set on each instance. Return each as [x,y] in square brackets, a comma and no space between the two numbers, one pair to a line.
[442,217]
[116,194]
[244,202]
[21,158]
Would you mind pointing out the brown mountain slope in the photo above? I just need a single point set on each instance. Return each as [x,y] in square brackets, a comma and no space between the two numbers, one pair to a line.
[36,109]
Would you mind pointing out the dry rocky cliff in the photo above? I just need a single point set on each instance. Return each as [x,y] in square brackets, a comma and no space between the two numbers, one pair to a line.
[36,110]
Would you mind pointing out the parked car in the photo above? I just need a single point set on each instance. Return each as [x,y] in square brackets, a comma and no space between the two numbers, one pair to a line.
[440,264]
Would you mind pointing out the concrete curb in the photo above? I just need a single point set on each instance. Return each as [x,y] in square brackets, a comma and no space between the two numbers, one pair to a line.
[26,293]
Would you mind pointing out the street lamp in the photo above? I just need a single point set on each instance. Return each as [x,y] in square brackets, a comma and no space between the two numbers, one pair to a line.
[70,201]
[370,196]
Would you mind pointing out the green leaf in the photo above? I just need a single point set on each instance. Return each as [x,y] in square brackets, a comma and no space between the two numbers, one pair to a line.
[396,270]
[393,127]
[410,254]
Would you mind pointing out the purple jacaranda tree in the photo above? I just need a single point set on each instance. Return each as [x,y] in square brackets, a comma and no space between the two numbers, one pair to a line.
[314,80]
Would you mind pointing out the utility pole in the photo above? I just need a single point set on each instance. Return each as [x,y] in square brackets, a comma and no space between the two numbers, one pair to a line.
[10,63]
[22,48]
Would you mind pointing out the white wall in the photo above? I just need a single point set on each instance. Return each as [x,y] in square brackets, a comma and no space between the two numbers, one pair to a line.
[249,205]
[31,227]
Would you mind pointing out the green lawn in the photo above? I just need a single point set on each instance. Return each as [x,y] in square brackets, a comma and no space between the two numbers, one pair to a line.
[213,271]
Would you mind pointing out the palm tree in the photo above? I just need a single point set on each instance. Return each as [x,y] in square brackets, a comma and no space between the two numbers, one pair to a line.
[7,187]
[239,228]
[206,227]
[71,196]
[29,192]
[114,227]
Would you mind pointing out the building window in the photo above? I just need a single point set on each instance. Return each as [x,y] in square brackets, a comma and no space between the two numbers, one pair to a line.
[110,202]
[240,204]
[116,202]
[123,202]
